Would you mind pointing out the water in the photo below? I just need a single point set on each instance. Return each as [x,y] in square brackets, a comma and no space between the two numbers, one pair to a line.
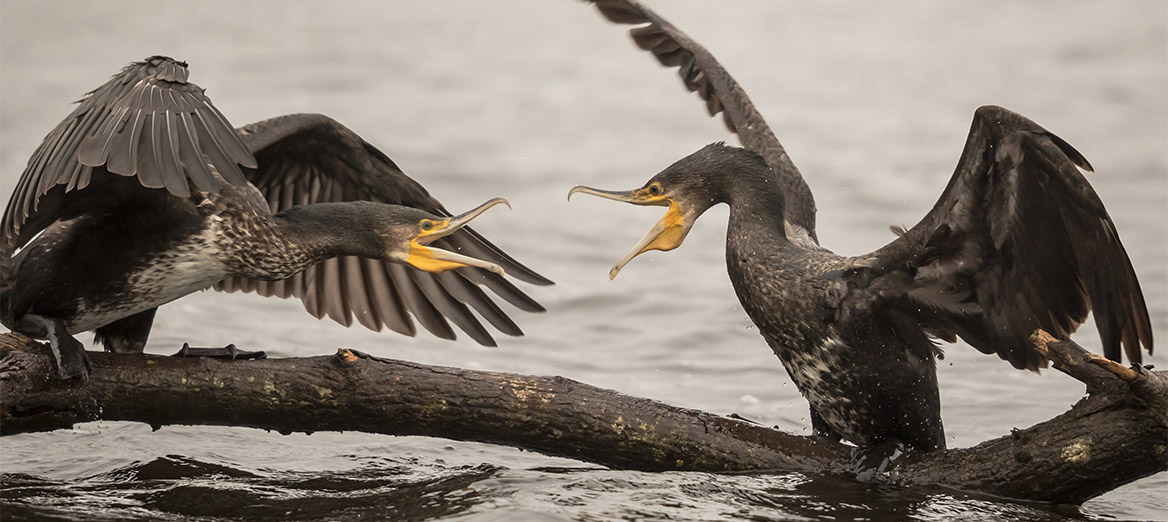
[524,99]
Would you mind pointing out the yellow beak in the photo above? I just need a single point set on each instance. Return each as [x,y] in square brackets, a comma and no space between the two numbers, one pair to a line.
[667,234]
[431,259]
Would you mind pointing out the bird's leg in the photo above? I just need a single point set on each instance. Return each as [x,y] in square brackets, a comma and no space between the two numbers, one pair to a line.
[128,334]
[820,427]
[226,352]
[72,361]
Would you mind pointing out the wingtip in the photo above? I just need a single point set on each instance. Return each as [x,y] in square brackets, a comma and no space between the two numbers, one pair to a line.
[620,11]
[538,280]
[1074,155]
[482,337]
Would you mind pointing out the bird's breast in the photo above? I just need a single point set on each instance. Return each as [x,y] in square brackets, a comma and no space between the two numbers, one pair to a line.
[186,267]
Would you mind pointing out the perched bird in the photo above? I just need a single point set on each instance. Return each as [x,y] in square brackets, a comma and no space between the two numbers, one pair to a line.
[146,193]
[1018,241]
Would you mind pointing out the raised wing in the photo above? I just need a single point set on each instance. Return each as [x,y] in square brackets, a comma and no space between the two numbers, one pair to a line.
[701,73]
[1019,240]
[311,158]
[147,121]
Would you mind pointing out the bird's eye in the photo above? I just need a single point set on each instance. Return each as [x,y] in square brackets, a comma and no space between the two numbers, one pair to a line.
[654,190]
[427,225]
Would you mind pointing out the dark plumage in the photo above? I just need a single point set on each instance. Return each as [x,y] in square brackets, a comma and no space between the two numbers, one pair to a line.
[145,193]
[1017,241]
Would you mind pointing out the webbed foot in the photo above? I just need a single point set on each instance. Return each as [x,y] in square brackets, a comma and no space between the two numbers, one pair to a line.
[868,462]
[226,352]
[72,361]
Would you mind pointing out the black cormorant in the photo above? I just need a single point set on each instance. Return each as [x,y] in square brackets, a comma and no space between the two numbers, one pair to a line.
[1017,241]
[146,193]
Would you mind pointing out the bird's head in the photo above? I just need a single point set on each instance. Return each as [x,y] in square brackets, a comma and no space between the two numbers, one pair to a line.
[688,187]
[411,233]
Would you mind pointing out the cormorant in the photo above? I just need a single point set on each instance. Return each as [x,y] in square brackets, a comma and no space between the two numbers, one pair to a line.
[146,193]
[1017,241]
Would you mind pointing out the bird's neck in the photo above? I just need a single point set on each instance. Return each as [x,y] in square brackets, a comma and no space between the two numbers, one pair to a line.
[334,229]
[768,270]
[756,203]
[755,234]
[306,235]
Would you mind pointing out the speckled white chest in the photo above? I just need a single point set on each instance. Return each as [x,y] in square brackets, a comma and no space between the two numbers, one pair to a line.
[811,370]
[187,267]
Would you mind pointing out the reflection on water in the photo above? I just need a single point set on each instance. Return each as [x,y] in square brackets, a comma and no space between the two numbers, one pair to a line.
[174,487]
[526,98]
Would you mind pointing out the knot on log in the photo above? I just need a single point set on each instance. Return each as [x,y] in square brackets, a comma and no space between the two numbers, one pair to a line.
[345,356]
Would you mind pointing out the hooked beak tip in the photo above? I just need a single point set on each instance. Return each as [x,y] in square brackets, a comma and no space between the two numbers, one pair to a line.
[492,202]
[574,190]
[461,220]
[625,196]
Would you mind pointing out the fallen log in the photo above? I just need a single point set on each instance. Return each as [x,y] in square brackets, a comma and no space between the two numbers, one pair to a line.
[1118,433]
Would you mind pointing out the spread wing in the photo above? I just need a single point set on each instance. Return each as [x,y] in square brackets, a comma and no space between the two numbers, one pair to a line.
[1019,240]
[310,158]
[147,121]
[701,73]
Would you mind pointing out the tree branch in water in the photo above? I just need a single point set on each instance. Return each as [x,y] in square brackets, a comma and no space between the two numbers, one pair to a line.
[1115,435]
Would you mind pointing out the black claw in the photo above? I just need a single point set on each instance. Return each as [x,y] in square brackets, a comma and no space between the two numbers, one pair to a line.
[256,355]
[226,352]
[183,352]
[741,418]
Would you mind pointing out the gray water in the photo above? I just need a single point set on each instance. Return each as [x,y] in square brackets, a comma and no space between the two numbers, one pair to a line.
[524,99]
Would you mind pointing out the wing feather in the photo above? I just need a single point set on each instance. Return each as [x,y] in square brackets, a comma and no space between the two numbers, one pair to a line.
[701,73]
[123,145]
[309,158]
[150,123]
[1020,234]
[468,293]
[450,308]
[127,126]
[330,291]
[385,298]
[425,312]
[358,293]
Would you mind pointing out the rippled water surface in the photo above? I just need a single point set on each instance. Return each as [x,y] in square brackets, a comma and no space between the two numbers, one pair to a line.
[524,99]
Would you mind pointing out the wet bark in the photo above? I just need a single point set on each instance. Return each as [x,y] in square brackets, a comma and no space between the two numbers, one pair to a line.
[1115,435]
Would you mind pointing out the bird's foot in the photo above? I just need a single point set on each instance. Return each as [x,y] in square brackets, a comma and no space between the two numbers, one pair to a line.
[741,418]
[226,352]
[72,361]
[869,463]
